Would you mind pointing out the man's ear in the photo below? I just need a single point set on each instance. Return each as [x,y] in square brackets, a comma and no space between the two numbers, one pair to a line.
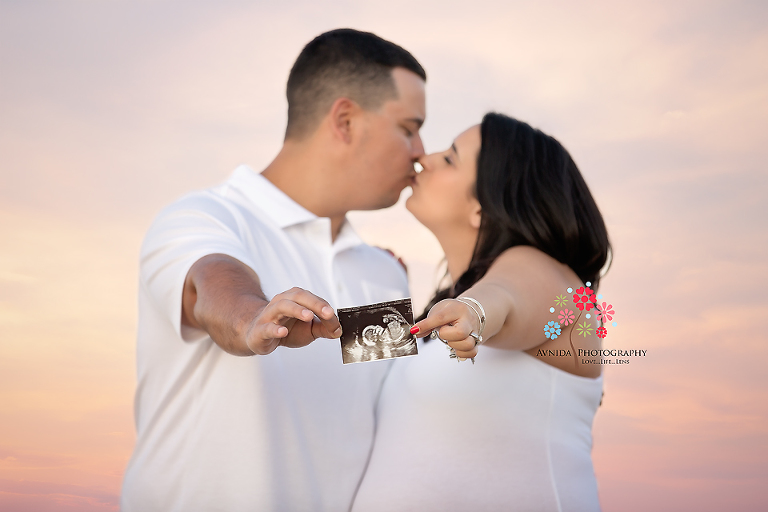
[476,216]
[342,114]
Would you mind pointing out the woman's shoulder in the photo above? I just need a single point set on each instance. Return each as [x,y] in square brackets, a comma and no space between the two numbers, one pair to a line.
[535,280]
[525,253]
[528,263]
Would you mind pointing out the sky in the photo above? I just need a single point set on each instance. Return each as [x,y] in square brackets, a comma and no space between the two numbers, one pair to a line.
[110,110]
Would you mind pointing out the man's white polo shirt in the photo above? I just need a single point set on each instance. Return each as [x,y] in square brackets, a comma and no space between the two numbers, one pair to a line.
[288,431]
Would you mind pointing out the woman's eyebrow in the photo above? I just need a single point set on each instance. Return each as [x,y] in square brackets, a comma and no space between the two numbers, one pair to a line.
[453,147]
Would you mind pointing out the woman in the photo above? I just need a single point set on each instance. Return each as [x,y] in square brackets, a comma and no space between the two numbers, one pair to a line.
[519,228]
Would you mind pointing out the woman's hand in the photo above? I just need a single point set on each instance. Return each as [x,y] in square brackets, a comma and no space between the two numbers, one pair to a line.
[453,320]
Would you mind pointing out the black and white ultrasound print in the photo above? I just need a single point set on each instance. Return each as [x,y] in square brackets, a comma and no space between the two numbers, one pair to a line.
[377,331]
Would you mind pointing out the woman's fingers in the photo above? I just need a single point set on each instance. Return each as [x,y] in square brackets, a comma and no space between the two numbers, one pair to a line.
[443,313]
[465,348]
[465,355]
[455,332]
[463,345]
[427,325]
[450,327]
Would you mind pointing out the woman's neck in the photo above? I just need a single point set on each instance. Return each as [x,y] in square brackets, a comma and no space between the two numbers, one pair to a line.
[458,246]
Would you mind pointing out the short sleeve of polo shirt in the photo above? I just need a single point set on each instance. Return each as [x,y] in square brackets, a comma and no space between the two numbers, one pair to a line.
[197,225]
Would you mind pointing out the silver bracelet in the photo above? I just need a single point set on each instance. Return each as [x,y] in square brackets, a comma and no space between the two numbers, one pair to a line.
[477,314]
[475,306]
[479,310]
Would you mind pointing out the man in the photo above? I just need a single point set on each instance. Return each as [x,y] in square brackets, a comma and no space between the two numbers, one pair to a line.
[239,270]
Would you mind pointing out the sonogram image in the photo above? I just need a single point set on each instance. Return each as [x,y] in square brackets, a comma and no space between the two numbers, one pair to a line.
[377,331]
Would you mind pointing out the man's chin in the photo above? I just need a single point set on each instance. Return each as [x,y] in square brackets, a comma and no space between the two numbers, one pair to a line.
[382,202]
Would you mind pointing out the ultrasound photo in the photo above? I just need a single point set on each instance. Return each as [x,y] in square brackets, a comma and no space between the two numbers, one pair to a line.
[377,331]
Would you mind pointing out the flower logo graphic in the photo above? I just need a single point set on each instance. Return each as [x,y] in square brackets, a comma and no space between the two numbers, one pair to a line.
[552,330]
[584,298]
[566,317]
[605,312]
[584,328]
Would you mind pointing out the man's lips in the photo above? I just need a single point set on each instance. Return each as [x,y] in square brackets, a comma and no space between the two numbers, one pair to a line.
[417,168]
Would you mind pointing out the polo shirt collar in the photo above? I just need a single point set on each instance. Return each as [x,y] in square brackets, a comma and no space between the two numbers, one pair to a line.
[280,208]
[347,238]
[283,210]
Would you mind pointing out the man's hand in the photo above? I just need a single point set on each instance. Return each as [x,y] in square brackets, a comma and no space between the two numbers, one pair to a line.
[223,297]
[294,318]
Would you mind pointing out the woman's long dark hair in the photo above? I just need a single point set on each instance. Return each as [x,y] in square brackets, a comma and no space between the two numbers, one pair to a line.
[531,193]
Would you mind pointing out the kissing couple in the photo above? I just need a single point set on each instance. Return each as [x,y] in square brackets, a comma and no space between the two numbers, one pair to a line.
[242,401]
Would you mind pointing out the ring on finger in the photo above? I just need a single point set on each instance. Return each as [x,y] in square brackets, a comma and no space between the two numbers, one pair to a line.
[436,336]
[477,337]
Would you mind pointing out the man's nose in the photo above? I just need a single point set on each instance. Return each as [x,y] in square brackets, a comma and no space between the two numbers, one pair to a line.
[417,150]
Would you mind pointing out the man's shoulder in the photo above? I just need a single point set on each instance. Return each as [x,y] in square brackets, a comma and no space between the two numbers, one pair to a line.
[195,206]
[377,253]
[380,259]
[378,272]
[222,200]
[224,196]
[196,213]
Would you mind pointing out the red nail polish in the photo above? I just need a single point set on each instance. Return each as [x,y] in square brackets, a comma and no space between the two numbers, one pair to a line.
[414,329]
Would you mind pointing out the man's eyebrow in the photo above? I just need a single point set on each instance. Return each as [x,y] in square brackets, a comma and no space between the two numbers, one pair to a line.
[415,120]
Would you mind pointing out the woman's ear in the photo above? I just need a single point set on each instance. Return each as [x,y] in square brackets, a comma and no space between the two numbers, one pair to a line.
[476,216]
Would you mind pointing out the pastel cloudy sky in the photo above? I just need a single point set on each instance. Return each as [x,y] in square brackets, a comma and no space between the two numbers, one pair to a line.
[111,109]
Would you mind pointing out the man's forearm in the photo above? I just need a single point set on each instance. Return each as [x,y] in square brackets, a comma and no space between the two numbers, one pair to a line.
[222,296]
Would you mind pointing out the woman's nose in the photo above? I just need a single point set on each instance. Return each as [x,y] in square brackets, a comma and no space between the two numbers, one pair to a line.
[424,162]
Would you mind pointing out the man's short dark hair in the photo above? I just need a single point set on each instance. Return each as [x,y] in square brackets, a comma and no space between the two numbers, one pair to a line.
[342,63]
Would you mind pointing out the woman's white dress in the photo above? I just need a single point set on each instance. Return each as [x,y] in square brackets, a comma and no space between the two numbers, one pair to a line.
[510,433]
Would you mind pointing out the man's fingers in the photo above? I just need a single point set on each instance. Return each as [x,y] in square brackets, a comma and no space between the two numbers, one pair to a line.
[272,330]
[330,328]
[279,310]
[320,330]
[316,319]
[265,337]
[316,305]
[312,302]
